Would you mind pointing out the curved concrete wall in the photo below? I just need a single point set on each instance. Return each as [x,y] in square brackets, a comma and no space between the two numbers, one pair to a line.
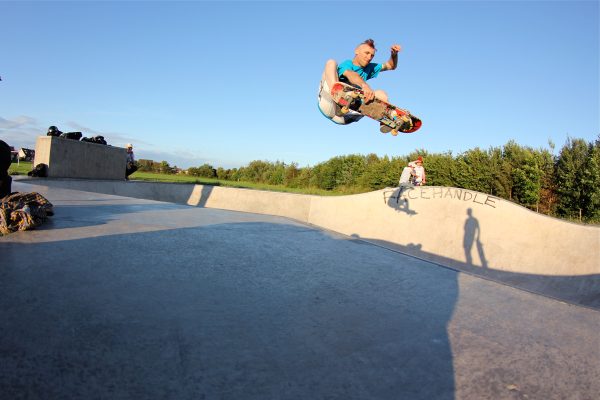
[465,226]
[459,228]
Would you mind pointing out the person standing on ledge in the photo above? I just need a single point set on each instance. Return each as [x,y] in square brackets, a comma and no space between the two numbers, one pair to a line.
[420,178]
[130,166]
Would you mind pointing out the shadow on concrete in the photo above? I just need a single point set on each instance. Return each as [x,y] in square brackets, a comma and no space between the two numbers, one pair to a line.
[394,199]
[200,195]
[78,216]
[235,310]
[176,193]
[582,290]
[472,236]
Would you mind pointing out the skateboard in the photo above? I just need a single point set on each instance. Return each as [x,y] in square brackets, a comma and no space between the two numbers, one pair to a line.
[349,97]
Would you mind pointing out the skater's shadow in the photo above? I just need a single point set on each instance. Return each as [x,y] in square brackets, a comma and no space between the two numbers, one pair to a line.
[472,236]
[397,199]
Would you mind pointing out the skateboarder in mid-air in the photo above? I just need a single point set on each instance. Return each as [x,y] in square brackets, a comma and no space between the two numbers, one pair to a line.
[354,72]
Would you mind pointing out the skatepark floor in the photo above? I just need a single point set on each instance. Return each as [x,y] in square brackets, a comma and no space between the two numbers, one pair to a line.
[122,298]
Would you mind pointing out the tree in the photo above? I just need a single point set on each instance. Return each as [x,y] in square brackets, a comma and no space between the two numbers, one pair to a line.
[165,168]
[547,199]
[473,171]
[350,169]
[590,181]
[325,174]
[303,180]
[513,156]
[292,172]
[526,179]
[255,171]
[500,169]
[569,173]
[224,174]
[374,175]
[274,174]
[206,171]
[439,169]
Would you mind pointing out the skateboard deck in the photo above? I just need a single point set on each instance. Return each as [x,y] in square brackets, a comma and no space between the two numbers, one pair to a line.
[397,119]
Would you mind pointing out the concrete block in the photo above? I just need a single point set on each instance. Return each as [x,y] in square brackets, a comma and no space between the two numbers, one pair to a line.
[68,158]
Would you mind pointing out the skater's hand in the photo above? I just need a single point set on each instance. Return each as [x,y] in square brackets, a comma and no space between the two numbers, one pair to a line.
[369,93]
[393,61]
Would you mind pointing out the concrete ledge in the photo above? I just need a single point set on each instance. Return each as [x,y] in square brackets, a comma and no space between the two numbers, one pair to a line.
[458,228]
[68,158]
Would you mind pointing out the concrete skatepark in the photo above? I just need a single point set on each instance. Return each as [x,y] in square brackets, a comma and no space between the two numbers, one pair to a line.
[457,228]
[123,297]
[153,290]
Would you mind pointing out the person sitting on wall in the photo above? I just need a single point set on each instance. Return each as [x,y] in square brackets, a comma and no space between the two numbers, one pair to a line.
[407,178]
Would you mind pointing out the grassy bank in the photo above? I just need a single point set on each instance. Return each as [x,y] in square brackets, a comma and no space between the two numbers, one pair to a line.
[23,168]
[154,177]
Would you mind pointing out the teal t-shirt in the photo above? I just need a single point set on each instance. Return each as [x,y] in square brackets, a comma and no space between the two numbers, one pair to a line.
[368,72]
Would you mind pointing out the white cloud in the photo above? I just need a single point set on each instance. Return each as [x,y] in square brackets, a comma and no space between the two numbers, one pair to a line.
[17,122]
[112,138]
[22,131]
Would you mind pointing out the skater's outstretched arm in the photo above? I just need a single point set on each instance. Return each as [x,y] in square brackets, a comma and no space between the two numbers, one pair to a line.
[393,61]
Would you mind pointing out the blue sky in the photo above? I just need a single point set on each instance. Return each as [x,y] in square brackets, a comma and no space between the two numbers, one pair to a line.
[228,82]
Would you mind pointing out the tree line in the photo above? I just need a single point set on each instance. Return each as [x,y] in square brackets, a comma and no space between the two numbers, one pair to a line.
[565,185]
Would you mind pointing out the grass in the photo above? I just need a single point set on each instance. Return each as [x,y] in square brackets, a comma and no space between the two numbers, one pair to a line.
[155,177]
[23,168]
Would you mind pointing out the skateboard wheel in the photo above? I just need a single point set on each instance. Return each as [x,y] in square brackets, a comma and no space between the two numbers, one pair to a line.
[394,132]
[354,95]
[344,110]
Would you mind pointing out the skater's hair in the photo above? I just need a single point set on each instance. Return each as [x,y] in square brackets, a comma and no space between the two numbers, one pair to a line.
[370,43]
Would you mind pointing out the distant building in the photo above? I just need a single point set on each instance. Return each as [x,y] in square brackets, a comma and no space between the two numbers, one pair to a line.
[14,155]
[26,154]
[147,165]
